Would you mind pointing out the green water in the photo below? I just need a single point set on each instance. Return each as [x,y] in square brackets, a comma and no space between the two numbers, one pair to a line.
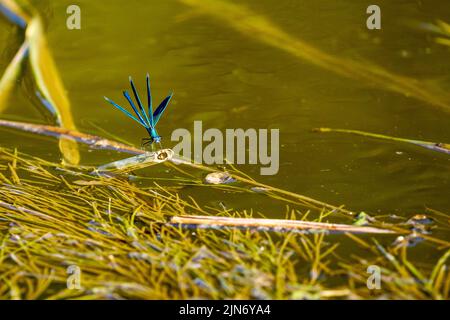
[229,80]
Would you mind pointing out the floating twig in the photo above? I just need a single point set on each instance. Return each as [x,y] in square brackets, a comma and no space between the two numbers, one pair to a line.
[137,162]
[273,224]
[8,81]
[92,141]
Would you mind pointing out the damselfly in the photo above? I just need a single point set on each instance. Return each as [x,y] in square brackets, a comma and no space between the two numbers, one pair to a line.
[146,119]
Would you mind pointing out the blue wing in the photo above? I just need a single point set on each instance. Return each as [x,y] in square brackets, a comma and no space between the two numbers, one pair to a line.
[127,96]
[141,108]
[124,111]
[159,111]
[149,101]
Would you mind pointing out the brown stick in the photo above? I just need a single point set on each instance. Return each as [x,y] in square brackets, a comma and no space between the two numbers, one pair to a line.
[91,140]
[273,224]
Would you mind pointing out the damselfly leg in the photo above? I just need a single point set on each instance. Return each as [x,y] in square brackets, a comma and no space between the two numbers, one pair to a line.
[152,143]
[146,142]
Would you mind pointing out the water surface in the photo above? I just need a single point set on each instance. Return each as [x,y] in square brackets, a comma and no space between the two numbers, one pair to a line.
[230,80]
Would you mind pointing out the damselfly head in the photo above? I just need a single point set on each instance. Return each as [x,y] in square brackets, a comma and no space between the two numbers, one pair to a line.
[157,139]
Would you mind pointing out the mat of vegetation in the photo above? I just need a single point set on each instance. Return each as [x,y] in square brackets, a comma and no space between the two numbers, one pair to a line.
[54,217]
[68,231]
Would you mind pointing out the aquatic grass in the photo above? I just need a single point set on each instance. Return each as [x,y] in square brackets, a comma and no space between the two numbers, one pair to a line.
[435,146]
[12,72]
[46,76]
[50,85]
[120,236]
[400,277]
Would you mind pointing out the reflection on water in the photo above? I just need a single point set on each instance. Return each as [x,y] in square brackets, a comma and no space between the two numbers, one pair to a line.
[230,79]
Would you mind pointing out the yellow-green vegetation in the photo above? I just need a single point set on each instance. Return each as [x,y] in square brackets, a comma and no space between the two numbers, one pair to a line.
[436,146]
[443,30]
[117,232]
[45,72]
[151,237]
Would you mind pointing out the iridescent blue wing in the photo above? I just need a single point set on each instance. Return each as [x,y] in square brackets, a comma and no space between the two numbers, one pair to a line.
[127,96]
[159,111]
[149,102]
[124,111]
[141,108]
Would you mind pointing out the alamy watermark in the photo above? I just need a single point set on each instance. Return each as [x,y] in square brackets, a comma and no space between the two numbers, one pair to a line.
[73,21]
[237,146]
[374,280]
[74,277]
[374,20]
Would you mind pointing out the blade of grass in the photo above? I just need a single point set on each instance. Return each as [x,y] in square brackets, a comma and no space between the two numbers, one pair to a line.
[44,70]
[440,147]
[12,72]
[50,84]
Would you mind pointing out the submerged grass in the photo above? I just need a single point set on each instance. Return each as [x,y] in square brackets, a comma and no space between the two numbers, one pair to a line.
[435,146]
[440,30]
[257,26]
[51,90]
[55,217]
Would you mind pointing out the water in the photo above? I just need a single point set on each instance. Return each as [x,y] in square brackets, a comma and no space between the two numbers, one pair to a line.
[229,80]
